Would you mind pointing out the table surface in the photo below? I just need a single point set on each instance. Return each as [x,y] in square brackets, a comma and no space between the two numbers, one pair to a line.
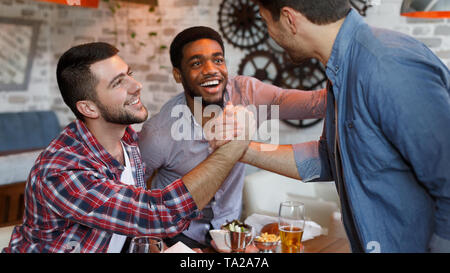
[334,242]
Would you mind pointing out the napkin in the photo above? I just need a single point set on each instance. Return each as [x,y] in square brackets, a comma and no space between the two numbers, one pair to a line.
[258,221]
[179,248]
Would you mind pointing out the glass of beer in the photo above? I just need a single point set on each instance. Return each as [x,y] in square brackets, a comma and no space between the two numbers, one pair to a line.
[291,223]
[146,244]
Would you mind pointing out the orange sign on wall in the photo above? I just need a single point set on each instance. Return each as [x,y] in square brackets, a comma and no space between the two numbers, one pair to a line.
[428,14]
[81,3]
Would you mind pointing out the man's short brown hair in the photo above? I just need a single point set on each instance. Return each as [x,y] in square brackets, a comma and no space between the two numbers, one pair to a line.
[75,79]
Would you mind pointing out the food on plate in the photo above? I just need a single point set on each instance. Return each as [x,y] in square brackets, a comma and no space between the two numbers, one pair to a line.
[266,242]
[271,228]
[267,238]
[236,226]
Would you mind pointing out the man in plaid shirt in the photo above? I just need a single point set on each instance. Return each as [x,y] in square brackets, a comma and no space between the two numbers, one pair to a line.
[76,199]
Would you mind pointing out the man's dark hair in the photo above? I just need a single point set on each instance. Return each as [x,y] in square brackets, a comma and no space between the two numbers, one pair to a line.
[319,12]
[75,79]
[190,35]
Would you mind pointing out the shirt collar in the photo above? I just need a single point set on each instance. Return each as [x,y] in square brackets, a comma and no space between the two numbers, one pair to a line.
[129,138]
[341,44]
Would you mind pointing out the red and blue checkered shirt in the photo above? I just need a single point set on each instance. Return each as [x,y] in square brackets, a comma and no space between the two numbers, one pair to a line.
[74,200]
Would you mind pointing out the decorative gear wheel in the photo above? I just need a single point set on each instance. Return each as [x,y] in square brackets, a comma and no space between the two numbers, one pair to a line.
[310,75]
[262,65]
[240,23]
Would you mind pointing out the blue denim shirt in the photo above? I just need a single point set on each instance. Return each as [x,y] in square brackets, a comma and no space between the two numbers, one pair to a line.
[393,126]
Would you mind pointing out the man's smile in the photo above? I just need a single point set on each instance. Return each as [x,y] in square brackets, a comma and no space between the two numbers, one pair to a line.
[137,101]
[212,86]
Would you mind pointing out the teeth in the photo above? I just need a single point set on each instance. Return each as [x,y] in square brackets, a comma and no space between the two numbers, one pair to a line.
[134,102]
[215,82]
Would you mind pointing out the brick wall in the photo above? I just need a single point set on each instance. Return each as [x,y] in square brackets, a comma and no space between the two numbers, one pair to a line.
[65,26]
[435,33]
[141,36]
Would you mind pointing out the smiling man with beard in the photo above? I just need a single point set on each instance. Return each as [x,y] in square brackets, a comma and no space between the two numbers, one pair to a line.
[197,56]
[86,191]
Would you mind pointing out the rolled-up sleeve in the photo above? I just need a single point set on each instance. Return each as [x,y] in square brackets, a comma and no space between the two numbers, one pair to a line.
[311,159]
[307,160]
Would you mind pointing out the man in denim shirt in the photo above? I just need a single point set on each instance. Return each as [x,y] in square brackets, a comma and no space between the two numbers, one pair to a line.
[197,55]
[386,139]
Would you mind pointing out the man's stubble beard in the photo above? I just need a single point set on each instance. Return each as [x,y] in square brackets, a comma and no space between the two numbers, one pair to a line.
[120,116]
[297,57]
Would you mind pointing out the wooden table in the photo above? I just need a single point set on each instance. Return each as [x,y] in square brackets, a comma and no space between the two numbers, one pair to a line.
[334,242]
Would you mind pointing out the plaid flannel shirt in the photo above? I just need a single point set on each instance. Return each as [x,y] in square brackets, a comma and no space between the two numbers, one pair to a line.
[74,200]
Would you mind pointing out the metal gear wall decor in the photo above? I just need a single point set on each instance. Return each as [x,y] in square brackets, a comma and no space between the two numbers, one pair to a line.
[264,65]
[260,64]
[240,23]
[310,75]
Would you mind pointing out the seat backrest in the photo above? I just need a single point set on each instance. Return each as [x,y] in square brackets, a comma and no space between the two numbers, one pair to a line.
[264,191]
[27,130]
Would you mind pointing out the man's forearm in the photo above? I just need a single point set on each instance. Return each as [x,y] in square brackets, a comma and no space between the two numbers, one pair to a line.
[204,180]
[275,158]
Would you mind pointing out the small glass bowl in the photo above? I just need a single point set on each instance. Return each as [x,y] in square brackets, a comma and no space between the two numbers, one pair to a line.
[265,247]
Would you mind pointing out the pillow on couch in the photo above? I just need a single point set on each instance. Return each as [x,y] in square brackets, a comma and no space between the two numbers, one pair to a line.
[27,130]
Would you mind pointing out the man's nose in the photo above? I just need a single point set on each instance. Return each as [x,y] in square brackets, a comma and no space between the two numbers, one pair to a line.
[209,68]
[135,86]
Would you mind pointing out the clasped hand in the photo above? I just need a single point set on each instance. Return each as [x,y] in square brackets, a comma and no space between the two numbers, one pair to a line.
[235,123]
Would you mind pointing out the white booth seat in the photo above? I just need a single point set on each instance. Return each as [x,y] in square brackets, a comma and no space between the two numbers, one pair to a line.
[5,236]
[264,191]
[16,167]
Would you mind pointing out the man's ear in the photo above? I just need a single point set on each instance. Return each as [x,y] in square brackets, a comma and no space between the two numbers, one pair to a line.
[176,74]
[88,109]
[289,17]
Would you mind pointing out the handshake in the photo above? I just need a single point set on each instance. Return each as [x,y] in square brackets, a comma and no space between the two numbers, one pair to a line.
[234,123]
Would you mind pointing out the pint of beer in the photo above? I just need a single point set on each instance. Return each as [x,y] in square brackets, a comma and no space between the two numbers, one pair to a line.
[291,239]
[291,223]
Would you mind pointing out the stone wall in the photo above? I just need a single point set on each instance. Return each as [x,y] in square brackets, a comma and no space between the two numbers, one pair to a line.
[142,35]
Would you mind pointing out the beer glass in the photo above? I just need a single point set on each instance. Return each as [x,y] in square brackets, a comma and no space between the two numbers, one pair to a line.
[146,244]
[291,224]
